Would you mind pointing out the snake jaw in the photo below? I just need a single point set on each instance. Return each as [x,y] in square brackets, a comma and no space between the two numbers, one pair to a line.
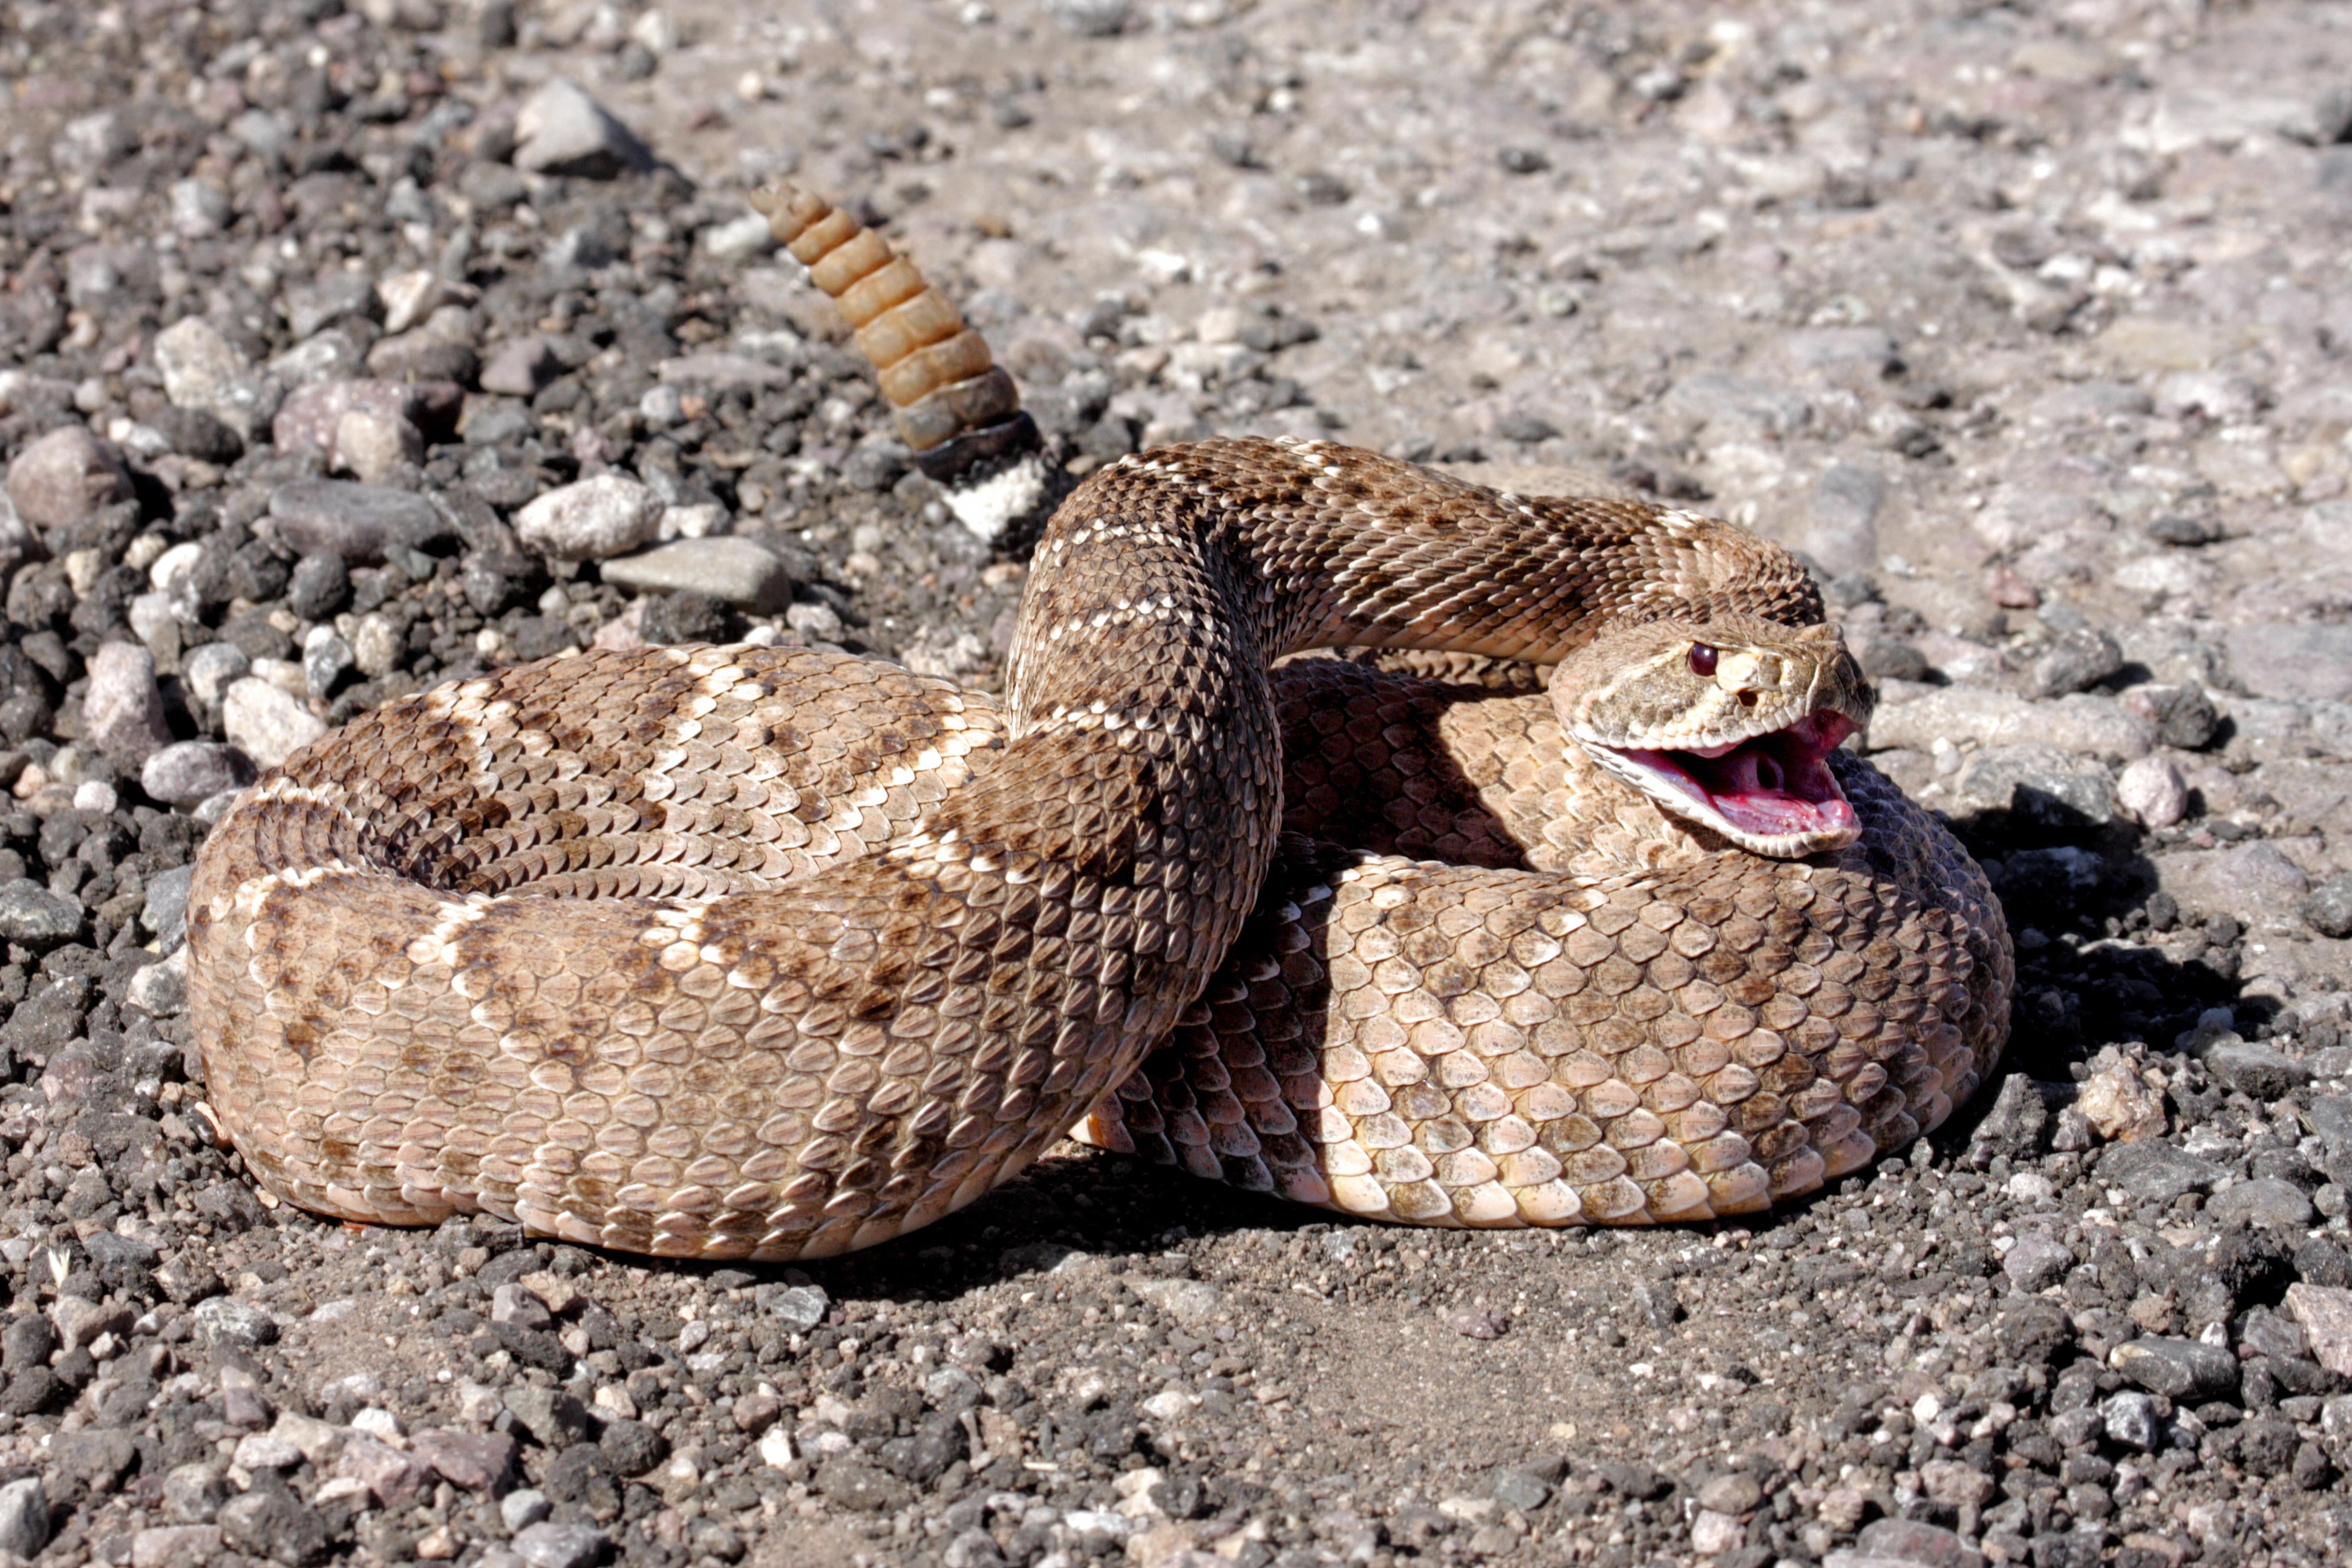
[1771,793]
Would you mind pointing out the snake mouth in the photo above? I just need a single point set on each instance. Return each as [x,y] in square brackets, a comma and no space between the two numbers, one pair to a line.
[1771,793]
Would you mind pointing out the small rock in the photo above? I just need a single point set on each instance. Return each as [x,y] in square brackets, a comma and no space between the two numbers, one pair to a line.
[2183,715]
[266,722]
[595,519]
[2328,908]
[31,914]
[2131,1420]
[270,1522]
[165,909]
[520,366]
[325,660]
[60,479]
[321,586]
[2039,784]
[194,1493]
[2326,1313]
[632,1447]
[2265,1200]
[2188,1371]
[552,1416]
[207,671]
[24,1517]
[1092,18]
[737,571]
[2074,661]
[2257,1070]
[1952,1483]
[1477,1323]
[559,1545]
[560,130]
[477,1462]
[852,1483]
[798,1307]
[175,1546]
[1734,1494]
[1190,1301]
[2013,1127]
[266,1451]
[202,370]
[356,523]
[393,1477]
[2152,790]
[521,1509]
[122,710]
[2119,1107]
[371,445]
[2155,1173]
[2036,1263]
[1713,1533]
[224,1321]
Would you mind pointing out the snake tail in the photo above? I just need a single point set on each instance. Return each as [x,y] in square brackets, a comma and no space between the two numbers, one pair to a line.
[954,407]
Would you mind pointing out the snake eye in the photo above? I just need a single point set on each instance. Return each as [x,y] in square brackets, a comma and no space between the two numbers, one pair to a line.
[1702,659]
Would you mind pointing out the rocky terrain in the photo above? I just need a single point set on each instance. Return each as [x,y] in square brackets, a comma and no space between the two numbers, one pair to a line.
[347,350]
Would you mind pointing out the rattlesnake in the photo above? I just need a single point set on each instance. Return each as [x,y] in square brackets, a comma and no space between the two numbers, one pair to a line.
[779,953]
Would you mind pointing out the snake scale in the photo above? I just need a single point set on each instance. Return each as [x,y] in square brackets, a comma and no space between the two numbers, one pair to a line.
[777,953]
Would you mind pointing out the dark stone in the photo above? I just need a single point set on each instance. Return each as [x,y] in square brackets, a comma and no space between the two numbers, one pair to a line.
[2328,908]
[34,917]
[125,1264]
[555,1418]
[673,618]
[534,1347]
[2033,1332]
[97,1459]
[580,1474]
[632,1447]
[318,587]
[2266,1445]
[28,1341]
[268,1522]
[2185,1370]
[2154,1171]
[353,522]
[2256,1069]
[2075,659]
[34,1389]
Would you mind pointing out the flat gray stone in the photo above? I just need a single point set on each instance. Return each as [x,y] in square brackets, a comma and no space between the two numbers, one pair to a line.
[2036,1263]
[123,708]
[560,130]
[202,369]
[2155,1172]
[31,914]
[356,523]
[2265,1200]
[559,1545]
[740,571]
[61,478]
[2181,1370]
[2080,722]
[611,514]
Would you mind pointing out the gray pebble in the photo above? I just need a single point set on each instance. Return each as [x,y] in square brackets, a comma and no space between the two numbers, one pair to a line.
[224,1321]
[559,1545]
[2155,1172]
[166,909]
[356,523]
[738,571]
[608,515]
[62,478]
[24,1517]
[37,918]
[123,709]
[2257,1068]
[2131,1421]
[271,1522]
[2182,1369]
[2036,1262]
[798,1307]
[187,772]
[2263,1201]
[560,130]
[2328,908]
[1092,18]
[555,1418]
[2076,661]
[521,1509]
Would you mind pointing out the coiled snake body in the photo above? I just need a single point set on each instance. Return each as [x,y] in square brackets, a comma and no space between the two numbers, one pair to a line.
[769,953]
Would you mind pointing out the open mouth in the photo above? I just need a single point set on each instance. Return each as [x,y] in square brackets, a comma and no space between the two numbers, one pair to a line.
[1773,792]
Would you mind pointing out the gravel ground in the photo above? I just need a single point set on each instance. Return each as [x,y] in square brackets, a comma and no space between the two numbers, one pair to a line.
[2026,325]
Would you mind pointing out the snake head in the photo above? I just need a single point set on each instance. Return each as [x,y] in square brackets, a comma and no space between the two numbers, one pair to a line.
[1728,724]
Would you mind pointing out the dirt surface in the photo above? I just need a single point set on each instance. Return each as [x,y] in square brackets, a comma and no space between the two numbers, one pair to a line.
[2026,325]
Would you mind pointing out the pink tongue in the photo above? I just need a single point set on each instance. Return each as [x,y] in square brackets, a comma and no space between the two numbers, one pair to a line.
[1773,813]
